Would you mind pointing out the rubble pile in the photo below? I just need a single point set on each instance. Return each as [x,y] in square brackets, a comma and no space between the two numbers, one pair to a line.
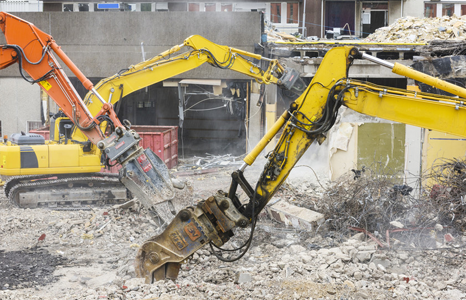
[421,30]
[365,198]
[210,161]
[93,253]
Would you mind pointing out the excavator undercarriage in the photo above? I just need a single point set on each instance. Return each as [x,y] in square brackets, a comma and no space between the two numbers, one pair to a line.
[66,192]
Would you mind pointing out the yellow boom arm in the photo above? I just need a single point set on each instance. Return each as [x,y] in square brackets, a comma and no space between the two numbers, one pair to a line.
[308,118]
[171,63]
[165,65]
[330,89]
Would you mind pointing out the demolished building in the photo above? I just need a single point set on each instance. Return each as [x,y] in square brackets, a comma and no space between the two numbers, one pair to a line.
[225,112]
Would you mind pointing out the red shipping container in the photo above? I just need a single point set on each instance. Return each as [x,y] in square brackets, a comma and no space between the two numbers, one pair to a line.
[163,140]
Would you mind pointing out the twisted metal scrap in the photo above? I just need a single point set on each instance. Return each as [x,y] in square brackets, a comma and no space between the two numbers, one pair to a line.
[446,181]
[371,200]
[366,199]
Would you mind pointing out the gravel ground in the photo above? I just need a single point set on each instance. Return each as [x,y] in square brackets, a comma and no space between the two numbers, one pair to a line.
[46,254]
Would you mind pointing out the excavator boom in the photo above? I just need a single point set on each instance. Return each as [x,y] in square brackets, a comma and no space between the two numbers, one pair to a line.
[198,51]
[308,119]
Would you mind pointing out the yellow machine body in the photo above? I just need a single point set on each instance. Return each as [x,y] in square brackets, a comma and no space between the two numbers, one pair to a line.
[50,158]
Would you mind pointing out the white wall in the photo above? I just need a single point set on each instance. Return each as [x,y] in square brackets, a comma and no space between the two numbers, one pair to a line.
[19,102]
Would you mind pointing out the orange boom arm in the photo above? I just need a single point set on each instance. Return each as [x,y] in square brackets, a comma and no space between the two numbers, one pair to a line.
[32,49]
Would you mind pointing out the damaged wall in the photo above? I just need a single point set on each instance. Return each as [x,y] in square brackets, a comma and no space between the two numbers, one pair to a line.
[441,145]
[358,140]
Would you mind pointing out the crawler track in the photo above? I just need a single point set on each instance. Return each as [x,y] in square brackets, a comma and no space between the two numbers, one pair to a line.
[78,191]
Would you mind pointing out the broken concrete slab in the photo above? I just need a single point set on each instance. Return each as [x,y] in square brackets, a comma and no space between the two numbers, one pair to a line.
[101,280]
[243,277]
[298,217]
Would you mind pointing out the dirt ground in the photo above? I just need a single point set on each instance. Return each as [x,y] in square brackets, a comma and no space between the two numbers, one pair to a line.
[89,254]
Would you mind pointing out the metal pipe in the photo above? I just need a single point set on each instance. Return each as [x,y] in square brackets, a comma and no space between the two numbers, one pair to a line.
[98,96]
[243,167]
[403,70]
[111,94]
[402,1]
[143,53]
[427,79]
[322,19]
[267,59]
[304,19]
[352,43]
[378,61]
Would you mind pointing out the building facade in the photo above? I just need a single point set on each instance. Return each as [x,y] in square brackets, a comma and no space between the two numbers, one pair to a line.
[355,18]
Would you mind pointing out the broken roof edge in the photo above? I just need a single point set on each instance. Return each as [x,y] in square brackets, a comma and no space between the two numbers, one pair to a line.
[352,42]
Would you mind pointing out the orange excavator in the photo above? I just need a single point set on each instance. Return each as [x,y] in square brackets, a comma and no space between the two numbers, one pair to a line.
[142,172]
[30,161]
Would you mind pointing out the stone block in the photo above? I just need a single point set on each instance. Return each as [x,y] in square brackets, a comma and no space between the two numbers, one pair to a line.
[363,256]
[243,277]
[298,217]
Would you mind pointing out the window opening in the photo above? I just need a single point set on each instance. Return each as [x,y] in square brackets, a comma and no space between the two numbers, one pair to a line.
[67,7]
[292,13]
[275,11]
[83,7]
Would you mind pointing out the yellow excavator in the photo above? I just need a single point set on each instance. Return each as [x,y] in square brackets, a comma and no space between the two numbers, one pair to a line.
[212,220]
[61,172]
[309,117]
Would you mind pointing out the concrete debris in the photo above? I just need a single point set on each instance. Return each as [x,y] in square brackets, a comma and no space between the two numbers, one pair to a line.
[298,217]
[397,224]
[125,205]
[242,278]
[421,30]
[284,262]
[274,36]
[209,161]
[105,279]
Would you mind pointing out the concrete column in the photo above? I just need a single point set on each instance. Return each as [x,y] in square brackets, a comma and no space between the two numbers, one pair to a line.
[439,9]
[457,10]
[413,149]
[75,7]
[284,12]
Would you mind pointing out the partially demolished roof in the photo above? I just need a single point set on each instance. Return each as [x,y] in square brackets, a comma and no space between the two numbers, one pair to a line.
[412,36]
[421,30]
